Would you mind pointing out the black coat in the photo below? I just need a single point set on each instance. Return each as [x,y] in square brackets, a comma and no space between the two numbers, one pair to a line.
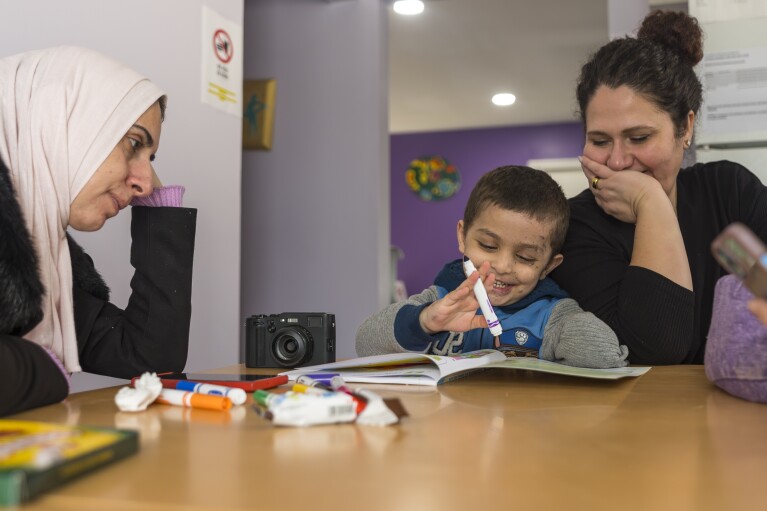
[151,334]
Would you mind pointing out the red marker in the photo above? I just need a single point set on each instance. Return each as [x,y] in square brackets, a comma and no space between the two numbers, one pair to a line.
[339,385]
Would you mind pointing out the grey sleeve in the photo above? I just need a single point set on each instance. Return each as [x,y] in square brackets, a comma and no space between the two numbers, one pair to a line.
[376,334]
[575,337]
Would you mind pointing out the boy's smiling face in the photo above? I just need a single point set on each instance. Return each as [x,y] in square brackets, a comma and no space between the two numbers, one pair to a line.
[517,246]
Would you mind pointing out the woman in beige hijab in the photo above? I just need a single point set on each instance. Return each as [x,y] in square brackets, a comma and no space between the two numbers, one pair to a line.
[78,133]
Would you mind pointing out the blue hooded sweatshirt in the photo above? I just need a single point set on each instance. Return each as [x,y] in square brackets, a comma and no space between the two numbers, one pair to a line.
[523,322]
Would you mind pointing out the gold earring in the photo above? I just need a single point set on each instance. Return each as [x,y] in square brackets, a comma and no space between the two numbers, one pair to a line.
[686,144]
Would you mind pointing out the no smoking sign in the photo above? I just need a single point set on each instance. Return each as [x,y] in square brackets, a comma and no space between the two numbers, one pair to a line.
[222,46]
[221,84]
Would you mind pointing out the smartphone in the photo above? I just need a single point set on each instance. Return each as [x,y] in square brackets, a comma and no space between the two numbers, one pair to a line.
[743,254]
[248,382]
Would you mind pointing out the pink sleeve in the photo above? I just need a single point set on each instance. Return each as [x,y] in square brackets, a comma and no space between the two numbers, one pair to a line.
[165,196]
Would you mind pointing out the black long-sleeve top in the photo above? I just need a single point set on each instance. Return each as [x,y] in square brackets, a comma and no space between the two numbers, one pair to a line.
[151,334]
[660,321]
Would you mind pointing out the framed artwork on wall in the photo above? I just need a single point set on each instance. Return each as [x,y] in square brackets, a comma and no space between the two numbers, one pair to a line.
[433,178]
[258,113]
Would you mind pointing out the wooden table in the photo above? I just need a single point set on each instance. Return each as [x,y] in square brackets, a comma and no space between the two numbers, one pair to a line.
[494,440]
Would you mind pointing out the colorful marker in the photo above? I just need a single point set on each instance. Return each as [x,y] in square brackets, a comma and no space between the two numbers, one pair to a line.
[339,385]
[306,389]
[319,377]
[484,302]
[310,381]
[193,400]
[238,396]
[265,398]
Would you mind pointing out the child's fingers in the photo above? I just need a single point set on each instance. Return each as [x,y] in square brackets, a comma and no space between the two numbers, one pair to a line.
[488,278]
[489,281]
[462,298]
[462,291]
[484,269]
[467,286]
[479,321]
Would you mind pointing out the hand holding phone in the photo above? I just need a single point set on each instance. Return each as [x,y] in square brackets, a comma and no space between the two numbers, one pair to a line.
[743,254]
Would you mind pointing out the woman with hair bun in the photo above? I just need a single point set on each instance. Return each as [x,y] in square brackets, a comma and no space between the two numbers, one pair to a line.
[637,253]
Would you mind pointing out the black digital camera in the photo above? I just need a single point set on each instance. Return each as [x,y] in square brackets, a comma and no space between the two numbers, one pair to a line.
[290,339]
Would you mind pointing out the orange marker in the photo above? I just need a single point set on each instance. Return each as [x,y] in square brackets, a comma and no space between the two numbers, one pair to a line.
[194,400]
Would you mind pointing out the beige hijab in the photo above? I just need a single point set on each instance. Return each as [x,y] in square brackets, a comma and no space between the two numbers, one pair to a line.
[62,111]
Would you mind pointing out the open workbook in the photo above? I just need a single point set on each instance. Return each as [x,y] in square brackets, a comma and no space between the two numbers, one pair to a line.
[422,369]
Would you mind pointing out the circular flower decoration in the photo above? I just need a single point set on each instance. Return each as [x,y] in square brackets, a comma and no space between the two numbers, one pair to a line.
[433,178]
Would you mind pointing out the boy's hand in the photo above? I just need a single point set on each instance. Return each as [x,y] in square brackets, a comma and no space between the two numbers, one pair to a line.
[457,311]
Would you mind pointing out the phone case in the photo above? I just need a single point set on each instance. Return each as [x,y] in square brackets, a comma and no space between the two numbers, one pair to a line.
[743,254]
[250,386]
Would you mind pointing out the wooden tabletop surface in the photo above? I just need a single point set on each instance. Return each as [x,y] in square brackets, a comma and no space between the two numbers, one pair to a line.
[497,439]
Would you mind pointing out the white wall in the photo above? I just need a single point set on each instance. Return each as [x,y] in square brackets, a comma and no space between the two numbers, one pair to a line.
[566,172]
[315,231]
[624,16]
[200,147]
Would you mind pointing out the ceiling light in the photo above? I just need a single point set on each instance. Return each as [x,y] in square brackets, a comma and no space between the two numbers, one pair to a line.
[408,7]
[504,99]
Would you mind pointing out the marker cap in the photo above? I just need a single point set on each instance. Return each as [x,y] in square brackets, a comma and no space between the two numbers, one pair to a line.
[210,402]
[262,397]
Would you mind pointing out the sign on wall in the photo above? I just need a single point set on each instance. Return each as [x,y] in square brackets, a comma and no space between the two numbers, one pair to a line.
[221,62]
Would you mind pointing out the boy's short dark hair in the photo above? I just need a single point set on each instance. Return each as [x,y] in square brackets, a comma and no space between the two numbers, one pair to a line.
[524,190]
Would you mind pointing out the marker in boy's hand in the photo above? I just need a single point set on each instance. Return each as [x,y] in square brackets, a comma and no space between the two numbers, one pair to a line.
[484,301]
[457,311]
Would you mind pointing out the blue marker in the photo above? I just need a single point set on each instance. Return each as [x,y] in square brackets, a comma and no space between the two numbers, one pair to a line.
[236,395]
[323,378]
[309,381]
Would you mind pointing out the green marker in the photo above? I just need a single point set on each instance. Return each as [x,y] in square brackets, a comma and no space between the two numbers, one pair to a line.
[267,399]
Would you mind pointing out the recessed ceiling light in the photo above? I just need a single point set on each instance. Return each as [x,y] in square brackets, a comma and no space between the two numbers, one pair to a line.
[504,99]
[408,7]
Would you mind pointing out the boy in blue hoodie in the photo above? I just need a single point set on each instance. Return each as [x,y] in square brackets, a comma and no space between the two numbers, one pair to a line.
[513,228]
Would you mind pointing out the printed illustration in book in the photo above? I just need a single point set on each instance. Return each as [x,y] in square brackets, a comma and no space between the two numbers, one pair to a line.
[36,456]
[423,369]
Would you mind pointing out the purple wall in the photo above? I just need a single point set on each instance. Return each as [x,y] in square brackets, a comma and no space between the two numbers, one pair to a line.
[426,231]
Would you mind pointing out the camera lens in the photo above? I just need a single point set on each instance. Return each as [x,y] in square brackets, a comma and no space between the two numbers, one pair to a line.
[292,346]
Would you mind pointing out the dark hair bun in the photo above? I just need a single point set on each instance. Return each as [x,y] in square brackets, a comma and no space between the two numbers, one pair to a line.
[677,31]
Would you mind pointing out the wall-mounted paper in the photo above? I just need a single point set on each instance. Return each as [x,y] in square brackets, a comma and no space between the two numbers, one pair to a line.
[221,62]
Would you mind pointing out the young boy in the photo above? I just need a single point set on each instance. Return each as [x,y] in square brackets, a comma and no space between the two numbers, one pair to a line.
[513,228]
